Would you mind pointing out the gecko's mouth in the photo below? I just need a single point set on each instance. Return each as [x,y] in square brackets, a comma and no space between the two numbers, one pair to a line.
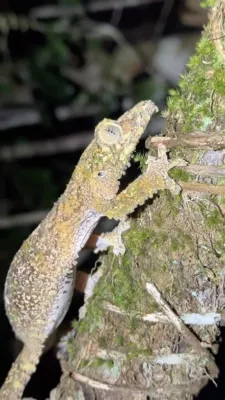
[131,170]
[137,158]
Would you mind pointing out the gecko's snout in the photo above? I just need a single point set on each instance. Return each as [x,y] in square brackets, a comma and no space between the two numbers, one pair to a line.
[149,107]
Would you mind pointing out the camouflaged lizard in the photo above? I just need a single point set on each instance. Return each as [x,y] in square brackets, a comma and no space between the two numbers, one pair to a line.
[40,280]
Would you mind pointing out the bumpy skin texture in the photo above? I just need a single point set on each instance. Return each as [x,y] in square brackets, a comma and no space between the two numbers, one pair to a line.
[39,283]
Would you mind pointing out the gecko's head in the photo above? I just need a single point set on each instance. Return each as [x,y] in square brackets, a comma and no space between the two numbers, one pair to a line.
[113,146]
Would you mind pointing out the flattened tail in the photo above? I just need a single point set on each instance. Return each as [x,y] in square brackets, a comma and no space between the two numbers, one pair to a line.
[19,374]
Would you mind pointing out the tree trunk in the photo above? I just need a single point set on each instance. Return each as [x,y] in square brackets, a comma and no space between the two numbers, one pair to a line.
[152,327]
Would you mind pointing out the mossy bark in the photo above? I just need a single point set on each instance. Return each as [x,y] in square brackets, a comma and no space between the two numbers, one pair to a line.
[178,244]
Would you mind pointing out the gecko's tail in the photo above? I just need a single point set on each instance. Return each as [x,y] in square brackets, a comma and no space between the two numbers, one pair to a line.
[19,374]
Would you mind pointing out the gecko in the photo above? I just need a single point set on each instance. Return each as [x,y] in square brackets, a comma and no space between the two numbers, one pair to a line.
[40,280]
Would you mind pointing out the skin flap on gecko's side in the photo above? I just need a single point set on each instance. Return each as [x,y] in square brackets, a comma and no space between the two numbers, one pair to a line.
[40,280]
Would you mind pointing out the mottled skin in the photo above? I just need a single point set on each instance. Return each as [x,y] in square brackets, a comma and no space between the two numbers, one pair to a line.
[39,283]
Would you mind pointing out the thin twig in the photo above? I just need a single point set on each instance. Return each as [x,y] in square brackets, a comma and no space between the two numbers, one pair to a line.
[202,188]
[42,148]
[211,141]
[164,14]
[15,117]
[157,391]
[188,318]
[28,218]
[181,327]
[163,359]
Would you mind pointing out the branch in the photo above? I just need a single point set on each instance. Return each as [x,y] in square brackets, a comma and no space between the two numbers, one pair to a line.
[28,218]
[205,170]
[55,11]
[202,188]
[211,141]
[13,118]
[164,359]
[170,389]
[210,318]
[42,148]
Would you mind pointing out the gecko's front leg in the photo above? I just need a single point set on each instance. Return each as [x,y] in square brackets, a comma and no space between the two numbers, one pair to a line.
[155,178]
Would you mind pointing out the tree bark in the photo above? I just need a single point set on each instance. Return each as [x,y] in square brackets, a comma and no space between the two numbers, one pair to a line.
[152,327]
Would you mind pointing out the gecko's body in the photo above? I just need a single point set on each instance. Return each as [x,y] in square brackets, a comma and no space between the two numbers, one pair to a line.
[39,284]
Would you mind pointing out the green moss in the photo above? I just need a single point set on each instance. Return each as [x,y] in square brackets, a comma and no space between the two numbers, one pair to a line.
[173,202]
[159,239]
[193,103]
[118,286]
[179,174]
[195,155]
[84,364]
[158,222]
[220,245]
[207,3]
[214,219]
[123,290]
[181,241]
[221,181]
[134,323]
[175,244]
[141,159]
[221,200]
[102,341]
[134,239]
[120,340]
[135,352]
[109,363]
[96,363]
[95,313]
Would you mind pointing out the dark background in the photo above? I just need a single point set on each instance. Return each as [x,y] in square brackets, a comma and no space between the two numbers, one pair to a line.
[64,65]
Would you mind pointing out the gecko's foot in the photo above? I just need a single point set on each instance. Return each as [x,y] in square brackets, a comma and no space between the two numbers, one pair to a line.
[113,239]
[161,165]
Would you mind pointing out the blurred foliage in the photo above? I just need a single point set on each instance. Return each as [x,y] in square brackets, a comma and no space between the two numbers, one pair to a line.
[68,59]
[35,179]
[55,55]
[72,59]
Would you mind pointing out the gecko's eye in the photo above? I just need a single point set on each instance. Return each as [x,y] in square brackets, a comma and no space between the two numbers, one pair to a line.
[101,174]
[108,132]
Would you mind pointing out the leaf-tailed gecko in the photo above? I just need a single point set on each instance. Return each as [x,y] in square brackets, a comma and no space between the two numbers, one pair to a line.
[40,280]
